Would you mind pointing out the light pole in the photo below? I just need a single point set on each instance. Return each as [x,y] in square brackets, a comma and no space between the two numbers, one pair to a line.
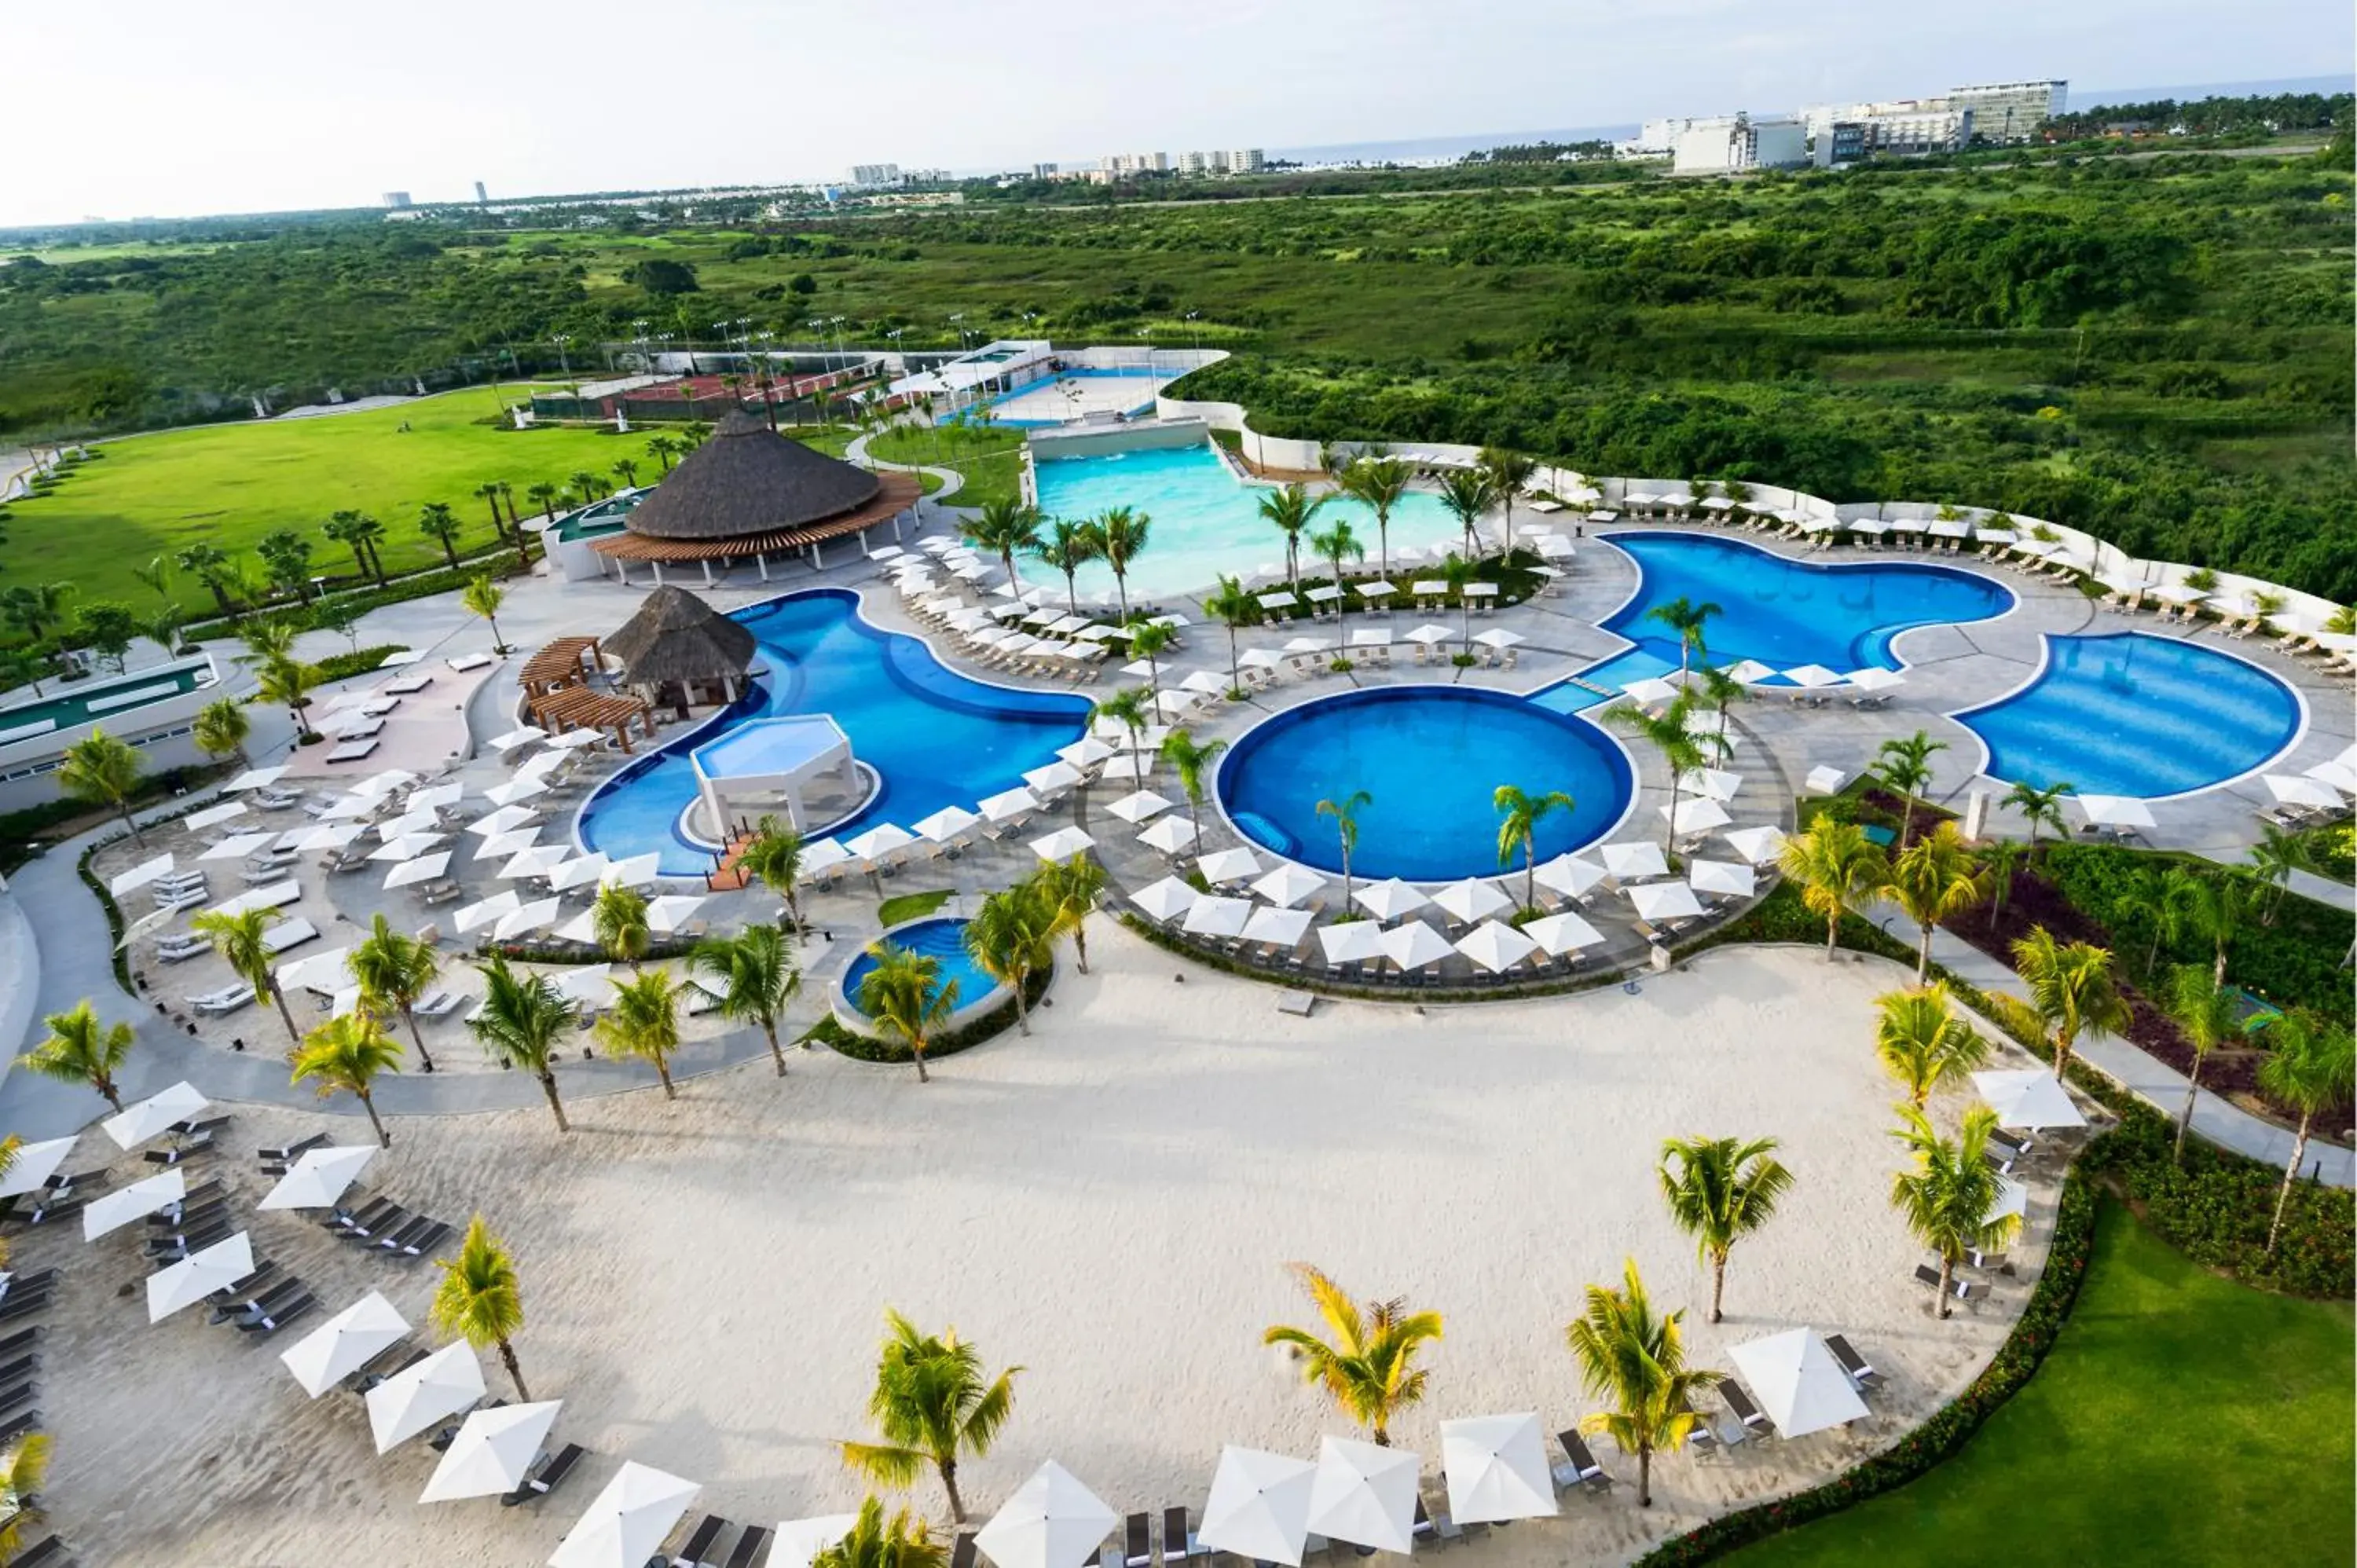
[836,322]
[1195,332]
[564,366]
[639,336]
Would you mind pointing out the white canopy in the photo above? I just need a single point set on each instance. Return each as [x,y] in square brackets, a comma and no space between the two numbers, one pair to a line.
[580,872]
[1813,676]
[1710,783]
[1288,885]
[1229,865]
[1874,678]
[501,820]
[1085,752]
[239,847]
[1798,1383]
[1639,858]
[1051,1522]
[517,790]
[1496,947]
[1171,835]
[404,846]
[2028,1099]
[540,859]
[1259,1505]
[2115,810]
[1353,941]
[437,1388]
[1569,874]
[153,1116]
[1210,915]
[1650,690]
[1665,900]
[253,779]
[798,1542]
[668,913]
[1064,843]
[115,1210]
[515,841]
[1388,900]
[1729,877]
[945,824]
[488,911]
[528,917]
[1279,928]
[1166,900]
[1748,670]
[424,868]
[34,1166]
[1758,845]
[141,875]
[197,1275]
[212,816]
[1008,805]
[344,1344]
[492,1453]
[2301,790]
[1051,777]
[1364,1494]
[1431,633]
[1472,899]
[1694,814]
[880,840]
[1564,933]
[624,1524]
[590,982]
[319,1177]
[1496,1469]
[1414,945]
[522,736]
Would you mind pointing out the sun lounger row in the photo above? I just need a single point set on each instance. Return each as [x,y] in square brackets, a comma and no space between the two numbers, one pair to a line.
[384,1226]
[24,1294]
[227,999]
[703,1547]
[263,1302]
[547,1478]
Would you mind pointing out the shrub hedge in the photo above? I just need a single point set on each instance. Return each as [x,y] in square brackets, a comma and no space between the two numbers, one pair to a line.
[360,661]
[860,1048]
[499,563]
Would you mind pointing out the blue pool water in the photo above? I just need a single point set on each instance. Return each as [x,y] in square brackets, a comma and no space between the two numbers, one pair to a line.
[935,738]
[1432,757]
[2132,714]
[1781,612]
[943,940]
[1206,521]
[1038,406]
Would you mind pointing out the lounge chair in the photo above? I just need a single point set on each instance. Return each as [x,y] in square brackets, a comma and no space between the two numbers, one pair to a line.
[1177,1540]
[368,1214]
[703,1543]
[227,999]
[1962,1289]
[439,1004]
[420,1242]
[287,934]
[386,1367]
[188,1150]
[1855,1365]
[749,1546]
[21,1284]
[15,1426]
[1581,1469]
[1703,1438]
[289,1153]
[22,1340]
[261,1307]
[279,1316]
[180,949]
[547,1479]
[1422,1527]
[374,1230]
[1740,1402]
[47,1552]
[1137,1547]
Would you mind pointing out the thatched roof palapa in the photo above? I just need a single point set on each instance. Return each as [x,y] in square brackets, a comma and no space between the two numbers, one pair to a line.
[677,637]
[749,479]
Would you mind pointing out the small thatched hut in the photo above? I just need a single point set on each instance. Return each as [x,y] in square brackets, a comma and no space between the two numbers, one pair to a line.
[679,651]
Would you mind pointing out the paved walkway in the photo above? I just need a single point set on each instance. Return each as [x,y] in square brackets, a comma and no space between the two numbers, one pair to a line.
[2215,1118]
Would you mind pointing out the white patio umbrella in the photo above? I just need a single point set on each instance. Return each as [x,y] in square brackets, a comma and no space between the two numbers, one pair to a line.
[582,928]
[1165,899]
[624,1524]
[2300,790]
[1431,634]
[530,916]
[1748,669]
[1130,767]
[1210,915]
[34,1166]
[798,1542]
[141,875]
[1652,689]
[409,1402]
[1639,858]
[591,982]
[1371,637]
[1874,678]
[879,841]
[344,1344]
[424,868]
[1007,805]
[1726,877]
[319,1177]
[1051,1522]
[2115,810]
[2028,1099]
[330,835]
[2012,1198]
[486,912]
[1813,677]
[238,847]
[540,859]
[944,824]
[329,970]
[1288,885]
[1063,844]
[1138,805]
[1559,934]
[1496,1469]
[345,806]
[1308,645]
[1277,928]
[1278,601]
[1665,900]
[1353,941]
[152,1117]
[253,779]
[1259,1505]
[1203,682]
[1051,778]
[275,895]
[1798,1383]
[1085,752]
[1499,637]
[673,911]
[1364,1494]
[197,1275]
[115,1210]
[1171,835]
[515,841]
[1710,783]
[1375,588]
[1229,865]
[1472,899]
[1260,658]
[1694,814]
[493,1451]
[523,735]
[1569,874]
[1758,845]
[213,816]
[379,785]
[1824,779]
[1496,946]
[636,871]
[501,820]
[821,854]
[517,790]
[406,846]
[2336,772]
[1414,945]
[580,872]
[411,822]
[1388,900]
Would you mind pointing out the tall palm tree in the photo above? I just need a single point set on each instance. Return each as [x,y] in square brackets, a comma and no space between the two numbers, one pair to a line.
[520,1023]
[1233,608]
[626,470]
[489,494]
[1011,936]
[104,772]
[479,1299]
[2040,808]
[757,977]
[1905,767]
[1507,473]
[1466,494]
[395,972]
[346,1055]
[2273,858]
[906,995]
[1720,1190]
[2166,896]
[543,494]
[1520,813]
[932,1404]
[1720,691]
[437,522]
[484,598]
[284,681]
[222,728]
[1132,708]
[1148,640]
[2308,1067]
[1668,734]
[644,1023]
[2074,990]
[81,1049]
[24,1471]
[1936,878]
[1120,534]
[1366,1362]
[2209,1016]
[1922,1042]
[1192,760]
[1949,1200]
[1068,547]
[620,918]
[209,565]
[2000,862]
[1687,620]
[1377,483]
[1290,510]
[774,855]
[241,938]
[903,1542]
[2216,909]
[1836,866]
[1345,813]
[1007,527]
[1335,543]
[1635,1358]
[1071,889]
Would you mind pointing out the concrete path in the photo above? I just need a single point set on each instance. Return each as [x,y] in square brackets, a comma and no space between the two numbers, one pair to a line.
[951,480]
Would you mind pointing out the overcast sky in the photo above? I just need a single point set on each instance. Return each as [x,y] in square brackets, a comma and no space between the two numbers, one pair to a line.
[119,108]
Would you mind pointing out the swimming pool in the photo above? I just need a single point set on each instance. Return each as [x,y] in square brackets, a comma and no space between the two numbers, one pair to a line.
[1432,757]
[1206,521]
[942,940]
[1071,393]
[1781,612]
[933,738]
[2131,713]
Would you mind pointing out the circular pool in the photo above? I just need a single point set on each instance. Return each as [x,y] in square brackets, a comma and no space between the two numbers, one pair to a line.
[940,937]
[1432,758]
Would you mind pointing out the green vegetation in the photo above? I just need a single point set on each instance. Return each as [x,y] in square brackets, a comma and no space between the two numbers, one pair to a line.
[903,906]
[2179,1418]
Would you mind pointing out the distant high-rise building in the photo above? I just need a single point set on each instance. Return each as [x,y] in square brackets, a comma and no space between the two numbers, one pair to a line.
[482,196]
[1193,163]
[1740,144]
[1246,161]
[2010,111]
[396,198]
[1043,171]
[875,174]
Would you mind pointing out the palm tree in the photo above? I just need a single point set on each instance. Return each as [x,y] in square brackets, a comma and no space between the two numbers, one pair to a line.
[1935,879]
[626,470]
[490,495]
[757,978]
[520,1023]
[440,525]
[1132,708]
[1949,1200]
[644,1023]
[906,995]
[1636,1358]
[1668,734]
[905,1541]
[662,448]
[1147,640]
[2208,1014]
[1520,814]
[1068,547]
[81,1049]
[104,772]
[1467,494]
[1005,527]
[2215,910]
[1720,1191]
[1345,813]
[1233,608]
[1905,766]
[346,1055]
[774,854]
[2074,990]
[479,1300]
[1377,483]
[2040,808]
[1334,544]
[1120,535]
[543,494]
[483,598]
[620,918]
[932,1404]
[285,681]
[1459,573]
[1837,866]
[395,972]
[2308,1067]
[210,566]
[23,1470]
[1192,761]
[2168,897]
[1071,889]
[1921,1041]
[2273,858]
[1687,620]
[241,938]
[222,728]
[1290,509]
[1721,690]
[1366,1363]
[1011,936]
[1507,472]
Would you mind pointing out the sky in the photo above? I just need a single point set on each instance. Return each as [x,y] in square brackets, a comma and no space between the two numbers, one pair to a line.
[162,108]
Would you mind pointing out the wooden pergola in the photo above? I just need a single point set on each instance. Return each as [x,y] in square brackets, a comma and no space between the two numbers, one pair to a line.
[578,707]
[561,664]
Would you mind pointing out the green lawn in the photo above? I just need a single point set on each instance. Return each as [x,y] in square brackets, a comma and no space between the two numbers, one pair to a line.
[2180,1418]
[990,459]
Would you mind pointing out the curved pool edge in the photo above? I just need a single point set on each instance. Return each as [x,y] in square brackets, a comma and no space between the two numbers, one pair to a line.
[845,1008]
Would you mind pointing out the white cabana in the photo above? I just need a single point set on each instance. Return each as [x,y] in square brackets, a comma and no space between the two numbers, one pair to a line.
[34,1166]
[1824,779]
[1664,901]
[1229,865]
[1797,1383]
[1288,885]
[1414,945]
[1166,900]
[1694,814]
[493,1451]
[319,1177]
[1353,941]
[437,1388]
[1211,915]
[1259,1505]
[1472,899]
[197,1275]
[1569,874]
[2115,810]
[1051,1522]
[1726,879]
[1064,843]
[1496,946]
[153,1116]
[1171,835]
[1277,928]
[1364,1494]
[2028,1099]
[344,1344]
[1758,845]
[1388,900]
[1637,858]
[486,912]
[1140,804]
[624,1524]
[1559,934]
[1496,1469]
[112,1211]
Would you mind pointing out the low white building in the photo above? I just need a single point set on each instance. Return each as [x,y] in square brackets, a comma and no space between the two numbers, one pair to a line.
[1739,144]
[153,709]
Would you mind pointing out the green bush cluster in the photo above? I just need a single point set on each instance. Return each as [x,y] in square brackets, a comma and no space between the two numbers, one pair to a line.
[830,1033]
[21,831]
[399,591]
[360,661]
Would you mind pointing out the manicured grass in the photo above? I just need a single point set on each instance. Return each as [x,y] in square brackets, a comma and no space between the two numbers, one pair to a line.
[911,905]
[990,459]
[2181,1418]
